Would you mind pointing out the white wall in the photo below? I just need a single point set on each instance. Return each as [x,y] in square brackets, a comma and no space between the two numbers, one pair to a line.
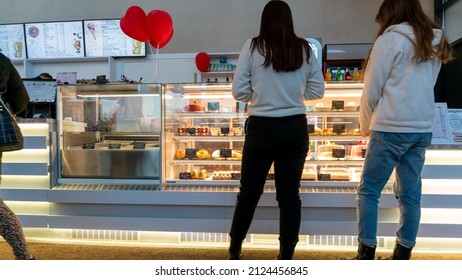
[453,22]
[216,25]
[213,26]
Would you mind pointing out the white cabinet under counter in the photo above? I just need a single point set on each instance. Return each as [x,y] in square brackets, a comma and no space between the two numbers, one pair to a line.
[30,168]
[27,174]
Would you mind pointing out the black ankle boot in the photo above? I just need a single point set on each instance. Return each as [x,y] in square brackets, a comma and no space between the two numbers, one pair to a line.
[399,253]
[286,251]
[364,253]
[235,256]
[234,251]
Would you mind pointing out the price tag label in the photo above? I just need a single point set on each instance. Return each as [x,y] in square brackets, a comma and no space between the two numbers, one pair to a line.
[338,128]
[185,176]
[235,176]
[88,146]
[338,153]
[224,130]
[191,131]
[337,105]
[139,146]
[324,177]
[190,153]
[226,153]
[213,106]
[311,128]
[114,146]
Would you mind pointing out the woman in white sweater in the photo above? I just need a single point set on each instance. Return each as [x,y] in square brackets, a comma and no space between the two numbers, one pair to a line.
[397,112]
[276,73]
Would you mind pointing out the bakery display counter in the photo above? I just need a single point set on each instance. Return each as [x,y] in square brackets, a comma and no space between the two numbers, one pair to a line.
[125,167]
[110,131]
[203,134]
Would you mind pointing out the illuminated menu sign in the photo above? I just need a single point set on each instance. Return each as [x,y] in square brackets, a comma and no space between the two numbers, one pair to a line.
[54,39]
[105,38]
[12,42]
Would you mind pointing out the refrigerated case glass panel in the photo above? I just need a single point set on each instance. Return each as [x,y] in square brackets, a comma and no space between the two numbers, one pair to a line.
[110,131]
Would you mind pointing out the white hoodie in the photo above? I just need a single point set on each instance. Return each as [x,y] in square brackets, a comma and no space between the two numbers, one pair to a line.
[398,93]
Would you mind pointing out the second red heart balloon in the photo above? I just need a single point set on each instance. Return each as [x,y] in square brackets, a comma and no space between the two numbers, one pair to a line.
[163,44]
[160,27]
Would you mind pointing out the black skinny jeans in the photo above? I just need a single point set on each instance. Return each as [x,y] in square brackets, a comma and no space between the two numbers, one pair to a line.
[284,142]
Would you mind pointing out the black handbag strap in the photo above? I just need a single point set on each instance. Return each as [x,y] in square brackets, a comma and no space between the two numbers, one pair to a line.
[5,105]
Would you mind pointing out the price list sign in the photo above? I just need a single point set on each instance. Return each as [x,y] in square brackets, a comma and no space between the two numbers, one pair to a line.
[12,42]
[54,39]
[106,38]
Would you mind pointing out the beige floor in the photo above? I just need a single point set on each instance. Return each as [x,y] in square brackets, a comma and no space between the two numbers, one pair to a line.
[56,251]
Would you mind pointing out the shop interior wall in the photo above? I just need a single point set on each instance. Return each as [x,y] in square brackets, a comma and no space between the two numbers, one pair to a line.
[217,25]
[453,22]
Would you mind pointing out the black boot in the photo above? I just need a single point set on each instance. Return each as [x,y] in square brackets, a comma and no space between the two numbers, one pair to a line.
[364,253]
[286,251]
[234,251]
[399,253]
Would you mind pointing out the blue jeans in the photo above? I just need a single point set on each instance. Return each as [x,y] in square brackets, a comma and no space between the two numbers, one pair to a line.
[386,151]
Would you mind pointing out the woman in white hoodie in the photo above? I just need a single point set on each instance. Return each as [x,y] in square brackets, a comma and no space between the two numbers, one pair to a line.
[397,112]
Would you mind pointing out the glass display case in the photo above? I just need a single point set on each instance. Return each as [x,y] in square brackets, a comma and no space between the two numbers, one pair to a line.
[203,130]
[109,131]
[204,136]
[337,148]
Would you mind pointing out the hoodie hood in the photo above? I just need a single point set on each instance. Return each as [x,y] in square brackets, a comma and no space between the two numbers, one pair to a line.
[406,30]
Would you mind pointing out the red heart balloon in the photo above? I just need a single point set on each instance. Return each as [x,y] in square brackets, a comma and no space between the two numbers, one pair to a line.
[133,24]
[163,44]
[202,61]
[160,26]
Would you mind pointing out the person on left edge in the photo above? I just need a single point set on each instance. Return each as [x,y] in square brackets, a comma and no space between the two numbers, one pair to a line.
[16,96]
[276,72]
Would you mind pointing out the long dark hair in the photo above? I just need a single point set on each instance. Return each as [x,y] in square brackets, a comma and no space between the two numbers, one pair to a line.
[398,11]
[277,41]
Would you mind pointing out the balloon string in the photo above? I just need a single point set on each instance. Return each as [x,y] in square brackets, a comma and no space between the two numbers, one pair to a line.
[156,61]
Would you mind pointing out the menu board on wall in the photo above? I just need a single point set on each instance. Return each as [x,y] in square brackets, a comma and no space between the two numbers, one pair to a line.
[105,38]
[12,42]
[54,39]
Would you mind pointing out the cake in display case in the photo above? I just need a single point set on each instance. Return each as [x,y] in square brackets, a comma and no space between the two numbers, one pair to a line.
[204,135]
[337,147]
[110,131]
